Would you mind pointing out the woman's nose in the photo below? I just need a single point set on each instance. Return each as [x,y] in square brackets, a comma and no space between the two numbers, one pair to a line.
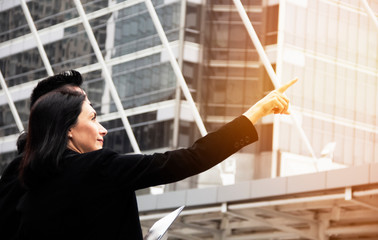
[103,130]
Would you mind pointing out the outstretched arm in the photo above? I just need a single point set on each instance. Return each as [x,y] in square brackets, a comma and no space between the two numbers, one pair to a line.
[275,102]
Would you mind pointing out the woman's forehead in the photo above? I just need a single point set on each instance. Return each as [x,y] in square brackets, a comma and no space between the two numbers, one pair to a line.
[87,106]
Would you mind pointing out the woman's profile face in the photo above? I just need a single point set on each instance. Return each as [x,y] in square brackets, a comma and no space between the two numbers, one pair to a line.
[87,135]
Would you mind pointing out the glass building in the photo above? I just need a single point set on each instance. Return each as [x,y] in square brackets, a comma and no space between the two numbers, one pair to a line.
[130,45]
[331,47]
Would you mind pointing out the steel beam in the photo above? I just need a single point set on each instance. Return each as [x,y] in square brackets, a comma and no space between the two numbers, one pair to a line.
[370,13]
[269,69]
[176,67]
[108,79]
[282,227]
[353,229]
[33,29]
[176,121]
[11,104]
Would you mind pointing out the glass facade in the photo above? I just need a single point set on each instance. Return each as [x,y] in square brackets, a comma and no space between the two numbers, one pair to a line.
[120,34]
[234,78]
[66,48]
[332,48]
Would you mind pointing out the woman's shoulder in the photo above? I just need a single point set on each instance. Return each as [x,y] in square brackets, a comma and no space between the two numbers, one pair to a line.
[101,163]
[93,161]
[98,154]
[101,156]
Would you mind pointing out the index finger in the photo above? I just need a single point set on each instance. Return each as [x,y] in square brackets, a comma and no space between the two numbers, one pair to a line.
[283,88]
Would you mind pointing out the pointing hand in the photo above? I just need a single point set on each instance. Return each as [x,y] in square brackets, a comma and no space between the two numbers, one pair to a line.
[275,102]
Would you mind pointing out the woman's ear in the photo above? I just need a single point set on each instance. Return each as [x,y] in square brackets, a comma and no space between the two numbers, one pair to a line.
[69,134]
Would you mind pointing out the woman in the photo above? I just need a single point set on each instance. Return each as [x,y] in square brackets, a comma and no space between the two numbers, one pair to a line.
[10,188]
[78,190]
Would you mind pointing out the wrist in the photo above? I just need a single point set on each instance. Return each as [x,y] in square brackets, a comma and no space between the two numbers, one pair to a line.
[253,114]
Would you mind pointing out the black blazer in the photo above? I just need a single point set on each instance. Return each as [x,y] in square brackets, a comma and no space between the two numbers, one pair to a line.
[10,193]
[92,197]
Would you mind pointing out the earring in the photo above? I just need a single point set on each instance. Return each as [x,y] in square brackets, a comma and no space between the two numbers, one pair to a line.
[69,136]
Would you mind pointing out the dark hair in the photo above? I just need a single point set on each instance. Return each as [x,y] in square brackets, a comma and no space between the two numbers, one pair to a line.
[21,142]
[70,77]
[50,118]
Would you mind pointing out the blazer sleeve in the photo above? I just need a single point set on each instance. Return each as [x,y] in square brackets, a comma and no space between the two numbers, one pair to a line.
[138,171]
